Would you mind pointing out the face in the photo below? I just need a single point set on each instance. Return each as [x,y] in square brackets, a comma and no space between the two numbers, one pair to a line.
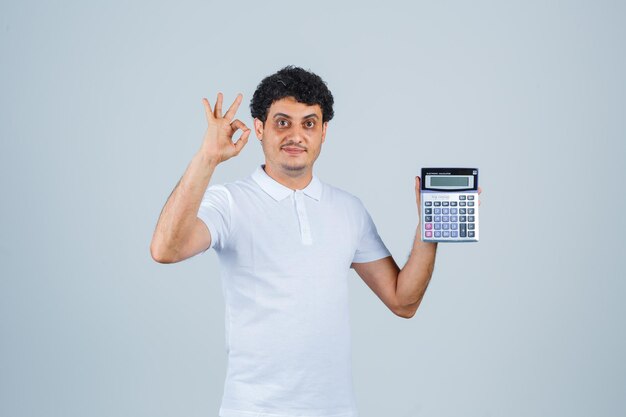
[292,136]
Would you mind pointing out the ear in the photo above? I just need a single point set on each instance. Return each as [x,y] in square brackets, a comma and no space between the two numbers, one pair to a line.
[258,128]
[324,127]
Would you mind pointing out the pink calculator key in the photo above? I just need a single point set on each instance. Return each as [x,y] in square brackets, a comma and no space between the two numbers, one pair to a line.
[429,226]
[429,234]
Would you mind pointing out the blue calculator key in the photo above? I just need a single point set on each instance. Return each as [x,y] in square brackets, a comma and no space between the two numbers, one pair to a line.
[470,197]
[437,211]
[437,218]
[446,226]
[462,204]
[437,234]
[446,234]
[470,234]
[445,204]
[470,226]
[437,226]
[454,226]
[437,203]
[462,218]
[453,203]
[429,218]
[470,219]
[454,234]
[462,211]
[453,211]
[445,211]
[461,197]
[470,204]
[428,203]
[470,211]
[454,219]
[445,219]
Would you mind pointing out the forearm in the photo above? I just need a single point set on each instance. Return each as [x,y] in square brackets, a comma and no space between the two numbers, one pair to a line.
[413,279]
[180,211]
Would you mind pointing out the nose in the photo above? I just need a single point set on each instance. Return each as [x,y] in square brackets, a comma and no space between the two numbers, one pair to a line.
[296,135]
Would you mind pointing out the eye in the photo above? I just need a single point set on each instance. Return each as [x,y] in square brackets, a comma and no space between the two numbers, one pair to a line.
[282,123]
[309,124]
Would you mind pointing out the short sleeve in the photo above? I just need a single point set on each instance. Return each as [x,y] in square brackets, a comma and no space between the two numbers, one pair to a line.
[370,246]
[215,212]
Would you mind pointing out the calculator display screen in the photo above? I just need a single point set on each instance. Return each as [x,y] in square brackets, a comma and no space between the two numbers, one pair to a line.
[446,181]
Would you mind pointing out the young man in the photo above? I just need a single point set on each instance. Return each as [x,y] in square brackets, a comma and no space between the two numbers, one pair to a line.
[285,242]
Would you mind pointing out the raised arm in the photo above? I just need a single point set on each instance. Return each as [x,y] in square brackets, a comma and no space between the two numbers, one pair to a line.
[402,290]
[179,233]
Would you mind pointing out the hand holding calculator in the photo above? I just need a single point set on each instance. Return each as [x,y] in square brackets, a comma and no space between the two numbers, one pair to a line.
[449,205]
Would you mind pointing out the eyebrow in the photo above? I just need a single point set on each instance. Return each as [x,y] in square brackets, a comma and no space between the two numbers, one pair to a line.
[286,116]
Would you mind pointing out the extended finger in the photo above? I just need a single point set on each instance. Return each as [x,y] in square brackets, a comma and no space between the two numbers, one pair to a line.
[417,194]
[233,107]
[218,105]
[207,109]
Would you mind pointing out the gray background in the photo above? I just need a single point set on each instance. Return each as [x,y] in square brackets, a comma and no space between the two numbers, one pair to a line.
[100,113]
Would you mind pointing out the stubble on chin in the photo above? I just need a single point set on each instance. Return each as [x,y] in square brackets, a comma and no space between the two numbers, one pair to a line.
[293,169]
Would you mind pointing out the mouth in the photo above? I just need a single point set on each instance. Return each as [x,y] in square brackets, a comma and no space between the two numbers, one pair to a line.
[293,150]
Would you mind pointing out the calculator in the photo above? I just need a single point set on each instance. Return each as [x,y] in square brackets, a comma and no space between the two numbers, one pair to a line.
[449,204]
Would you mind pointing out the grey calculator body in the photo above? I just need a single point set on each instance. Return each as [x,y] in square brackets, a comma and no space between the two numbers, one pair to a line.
[449,200]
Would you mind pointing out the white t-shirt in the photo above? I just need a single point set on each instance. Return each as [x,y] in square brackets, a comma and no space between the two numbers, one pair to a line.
[284,258]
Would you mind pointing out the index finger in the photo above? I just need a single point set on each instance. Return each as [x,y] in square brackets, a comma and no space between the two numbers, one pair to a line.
[233,108]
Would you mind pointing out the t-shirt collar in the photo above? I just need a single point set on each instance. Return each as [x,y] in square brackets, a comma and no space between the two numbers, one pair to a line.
[278,191]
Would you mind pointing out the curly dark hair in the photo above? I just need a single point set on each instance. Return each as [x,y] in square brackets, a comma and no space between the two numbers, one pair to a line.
[305,86]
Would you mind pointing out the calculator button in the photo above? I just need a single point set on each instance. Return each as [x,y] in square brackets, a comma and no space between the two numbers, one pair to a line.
[462,204]
[470,211]
[462,218]
[445,203]
[454,234]
[446,234]
[429,218]
[461,197]
[453,203]
[445,211]
[470,219]
[470,197]
[445,219]
[470,234]
[470,226]
[446,226]
[437,218]
[470,204]
[462,211]
[437,211]
[454,226]
[428,211]
[437,203]
[453,211]
[428,203]
[437,234]
[429,234]
[428,226]
[437,226]
[454,219]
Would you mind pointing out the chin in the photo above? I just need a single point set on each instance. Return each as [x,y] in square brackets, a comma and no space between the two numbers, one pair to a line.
[293,167]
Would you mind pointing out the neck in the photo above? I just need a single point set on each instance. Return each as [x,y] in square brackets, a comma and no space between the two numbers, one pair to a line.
[294,179]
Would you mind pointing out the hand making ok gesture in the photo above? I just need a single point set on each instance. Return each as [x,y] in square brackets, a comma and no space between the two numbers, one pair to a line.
[218,140]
